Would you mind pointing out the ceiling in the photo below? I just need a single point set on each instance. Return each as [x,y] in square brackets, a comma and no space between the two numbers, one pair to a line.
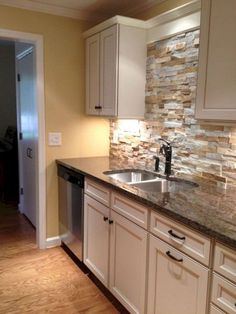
[84,9]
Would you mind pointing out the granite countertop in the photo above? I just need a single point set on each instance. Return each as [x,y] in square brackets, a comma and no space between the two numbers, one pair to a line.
[206,208]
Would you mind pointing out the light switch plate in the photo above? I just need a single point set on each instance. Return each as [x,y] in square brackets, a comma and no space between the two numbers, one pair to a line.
[54,139]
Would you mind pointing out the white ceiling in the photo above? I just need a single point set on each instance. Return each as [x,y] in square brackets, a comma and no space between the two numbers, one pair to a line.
[84,9]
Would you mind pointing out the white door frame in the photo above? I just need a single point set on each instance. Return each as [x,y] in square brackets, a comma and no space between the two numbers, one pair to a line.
[37,41]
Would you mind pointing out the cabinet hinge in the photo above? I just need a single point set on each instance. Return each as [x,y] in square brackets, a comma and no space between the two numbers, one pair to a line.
[21,136]
[21,191]
[18,77]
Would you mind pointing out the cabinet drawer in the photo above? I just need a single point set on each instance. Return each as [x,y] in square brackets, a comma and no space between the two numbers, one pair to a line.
[225,262]
[224,294]
[97,191]
[215,310]
[186,240]
[129,209]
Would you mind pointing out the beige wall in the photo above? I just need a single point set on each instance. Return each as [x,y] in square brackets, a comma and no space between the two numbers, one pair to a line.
[64,94]
[161,8]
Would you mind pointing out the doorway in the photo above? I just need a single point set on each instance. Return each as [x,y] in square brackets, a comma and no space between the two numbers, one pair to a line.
[8,125]
[36,42]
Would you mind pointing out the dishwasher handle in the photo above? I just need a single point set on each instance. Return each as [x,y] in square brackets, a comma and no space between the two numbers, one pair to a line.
[73,179]
[71,176]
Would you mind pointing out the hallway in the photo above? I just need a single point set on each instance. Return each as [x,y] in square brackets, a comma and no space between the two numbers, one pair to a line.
[41,281]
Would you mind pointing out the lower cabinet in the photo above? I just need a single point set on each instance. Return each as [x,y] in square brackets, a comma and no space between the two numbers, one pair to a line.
[96,238]
[176,283]
[146,274]
[128,252]
[224,294]
[108,236]
[214,310]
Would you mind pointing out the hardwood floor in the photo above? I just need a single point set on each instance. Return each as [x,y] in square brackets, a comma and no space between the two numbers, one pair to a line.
[41,281]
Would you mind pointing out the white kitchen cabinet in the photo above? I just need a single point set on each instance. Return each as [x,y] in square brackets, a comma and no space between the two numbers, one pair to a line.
[216,92]
[215,310]
[115,248]
[130,209]
[116,72]
[128,252]
[97,191]
[182,238]
[101,72]
[92,73]
[224,294]
[224,288]
[96,238]
[225,262]
[177,284]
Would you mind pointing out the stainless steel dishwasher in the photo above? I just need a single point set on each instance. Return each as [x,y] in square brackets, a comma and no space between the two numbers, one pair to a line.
[71,188]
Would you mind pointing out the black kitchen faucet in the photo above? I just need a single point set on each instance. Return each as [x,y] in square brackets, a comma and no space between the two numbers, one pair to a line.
[166,151]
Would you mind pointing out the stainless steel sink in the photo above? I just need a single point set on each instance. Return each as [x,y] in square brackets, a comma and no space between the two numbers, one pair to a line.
[163,185]
[150,182]
[130,176]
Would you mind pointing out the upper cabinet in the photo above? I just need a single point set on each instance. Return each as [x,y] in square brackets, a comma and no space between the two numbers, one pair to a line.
[216,92]
[116,71]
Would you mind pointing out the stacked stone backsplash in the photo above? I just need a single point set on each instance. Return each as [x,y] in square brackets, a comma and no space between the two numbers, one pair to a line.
[200,149]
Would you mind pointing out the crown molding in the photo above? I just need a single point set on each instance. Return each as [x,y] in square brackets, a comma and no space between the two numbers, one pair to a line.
[181,11]
[52,9]
[115,20]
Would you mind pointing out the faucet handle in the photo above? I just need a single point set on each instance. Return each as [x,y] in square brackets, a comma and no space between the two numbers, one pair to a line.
[157,162]
[166,150]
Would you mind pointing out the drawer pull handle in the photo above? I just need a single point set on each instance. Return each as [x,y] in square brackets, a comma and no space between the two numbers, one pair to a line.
[105,218]
[110,222]
[174,258]
[98,107]
[175,235]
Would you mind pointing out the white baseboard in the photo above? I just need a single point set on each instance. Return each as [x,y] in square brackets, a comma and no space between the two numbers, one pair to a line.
[53,242]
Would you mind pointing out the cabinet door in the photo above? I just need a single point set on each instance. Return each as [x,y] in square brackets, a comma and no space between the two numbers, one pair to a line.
[216,92]
[215,310]
[175,286]
[224,294]
[92,74]
[108,70]
[96,238]
[128,263]
[225,262]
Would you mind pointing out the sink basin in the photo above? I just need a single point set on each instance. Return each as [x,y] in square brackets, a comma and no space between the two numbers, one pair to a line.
[150,182]
[130,176]
[163,185]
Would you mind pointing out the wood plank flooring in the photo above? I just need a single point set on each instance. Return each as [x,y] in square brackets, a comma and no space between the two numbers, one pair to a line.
[41,281]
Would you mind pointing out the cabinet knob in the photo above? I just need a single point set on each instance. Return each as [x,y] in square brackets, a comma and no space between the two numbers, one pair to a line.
[111,222]
[105,218]
[98,107]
